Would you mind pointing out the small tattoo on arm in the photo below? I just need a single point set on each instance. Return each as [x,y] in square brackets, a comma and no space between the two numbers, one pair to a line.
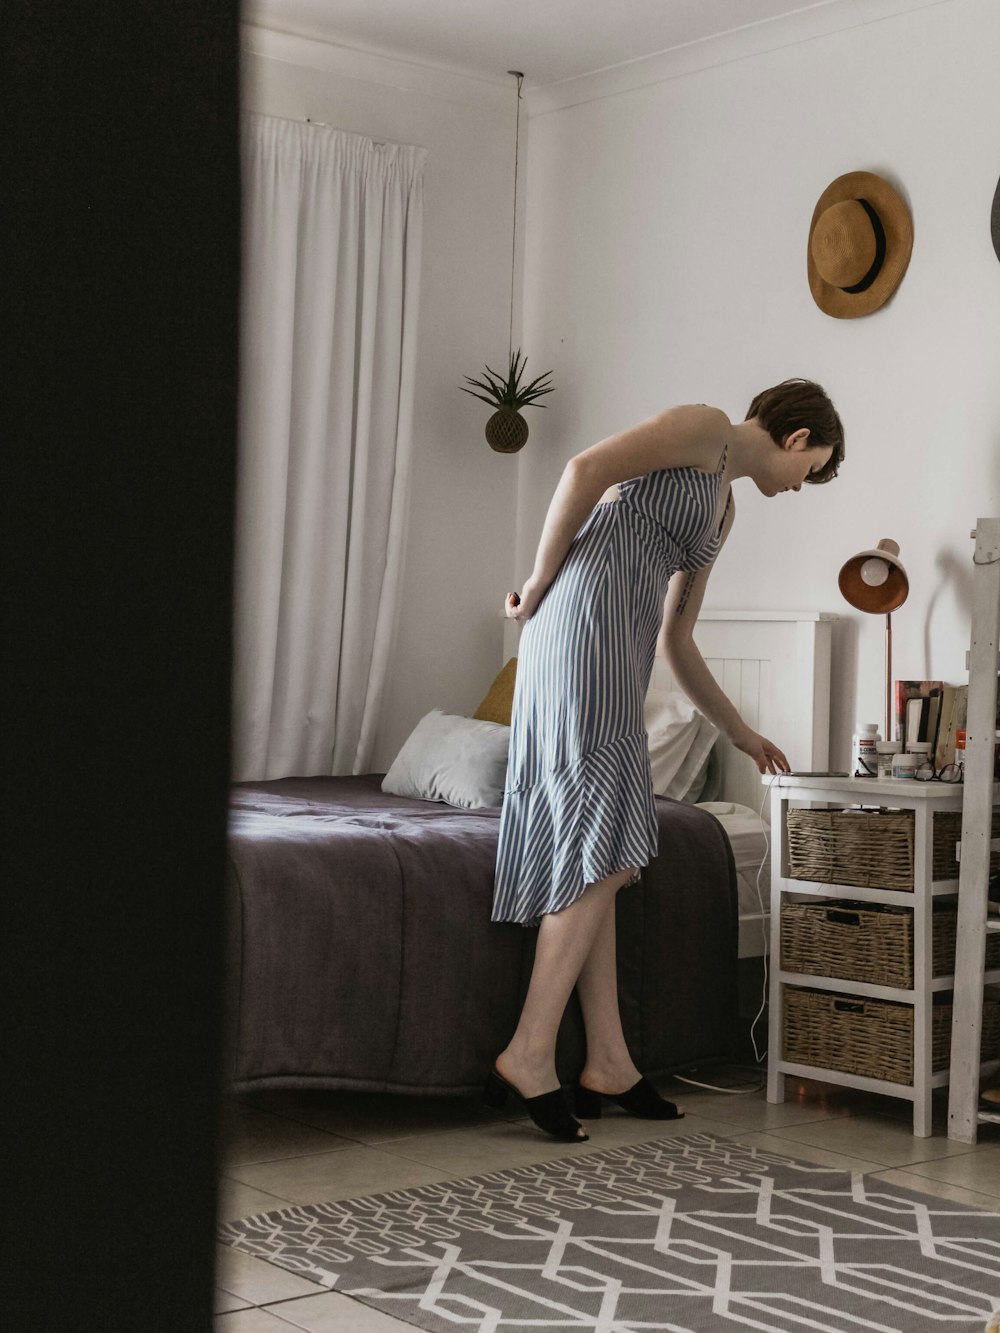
[685,594]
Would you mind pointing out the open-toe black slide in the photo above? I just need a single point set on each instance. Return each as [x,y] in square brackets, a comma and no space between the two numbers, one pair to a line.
[549,1111]
[641,1100]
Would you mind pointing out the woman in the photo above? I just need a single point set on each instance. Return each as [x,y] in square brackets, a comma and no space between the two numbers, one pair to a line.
[626,549]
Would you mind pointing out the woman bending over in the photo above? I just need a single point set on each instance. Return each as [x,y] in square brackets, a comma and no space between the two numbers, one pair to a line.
[628,543]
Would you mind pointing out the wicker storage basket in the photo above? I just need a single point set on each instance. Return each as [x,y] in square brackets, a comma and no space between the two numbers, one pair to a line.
[871,849]
[945,937]
[866,941]
[872,1038]
[947,832]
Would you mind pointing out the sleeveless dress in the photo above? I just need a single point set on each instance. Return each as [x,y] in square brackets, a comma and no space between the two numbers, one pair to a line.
[578,803]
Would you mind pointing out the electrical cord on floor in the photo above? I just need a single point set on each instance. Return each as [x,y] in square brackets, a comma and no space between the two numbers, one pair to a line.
[743,1090]
[739,1091]
[760,900]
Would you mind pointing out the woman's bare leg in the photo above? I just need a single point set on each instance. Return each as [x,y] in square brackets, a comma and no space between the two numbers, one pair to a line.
[564,941]
[609,1066]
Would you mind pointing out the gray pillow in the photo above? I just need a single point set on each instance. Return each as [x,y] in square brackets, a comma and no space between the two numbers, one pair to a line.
[457,760]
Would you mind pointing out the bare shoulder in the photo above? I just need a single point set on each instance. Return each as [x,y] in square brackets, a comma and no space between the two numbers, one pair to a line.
[692,435]
[699,431]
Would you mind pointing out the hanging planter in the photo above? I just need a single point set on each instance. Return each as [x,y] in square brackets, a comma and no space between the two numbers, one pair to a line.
[507,430]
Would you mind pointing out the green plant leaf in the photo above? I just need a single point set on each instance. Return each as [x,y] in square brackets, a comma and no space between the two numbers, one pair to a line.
[507,391]
[490,402]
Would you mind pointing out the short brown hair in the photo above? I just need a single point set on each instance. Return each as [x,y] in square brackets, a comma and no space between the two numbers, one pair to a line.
[792,404]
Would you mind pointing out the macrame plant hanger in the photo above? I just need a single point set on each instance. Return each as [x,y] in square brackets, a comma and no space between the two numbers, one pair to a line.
[507,430]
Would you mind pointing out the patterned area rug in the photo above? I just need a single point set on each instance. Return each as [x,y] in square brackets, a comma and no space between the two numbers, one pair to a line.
[690,1235]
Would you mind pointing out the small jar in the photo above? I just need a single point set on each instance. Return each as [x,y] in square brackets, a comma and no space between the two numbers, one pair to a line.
[886,752]
[905,766]
[925,760]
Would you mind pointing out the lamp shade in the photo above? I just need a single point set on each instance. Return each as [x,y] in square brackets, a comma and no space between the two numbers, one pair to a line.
[875,580]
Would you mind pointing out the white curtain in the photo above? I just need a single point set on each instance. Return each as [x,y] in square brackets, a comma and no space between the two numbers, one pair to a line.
[332,228]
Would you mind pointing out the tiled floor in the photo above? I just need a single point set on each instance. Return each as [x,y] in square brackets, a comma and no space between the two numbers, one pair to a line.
[298,1147]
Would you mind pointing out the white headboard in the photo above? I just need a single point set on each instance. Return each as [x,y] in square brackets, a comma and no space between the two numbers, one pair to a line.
[775,667]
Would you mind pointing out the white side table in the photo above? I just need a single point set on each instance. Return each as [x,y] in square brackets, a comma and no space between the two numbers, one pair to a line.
[924,798]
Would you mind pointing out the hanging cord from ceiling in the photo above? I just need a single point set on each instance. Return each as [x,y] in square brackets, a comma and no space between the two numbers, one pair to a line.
[513,236]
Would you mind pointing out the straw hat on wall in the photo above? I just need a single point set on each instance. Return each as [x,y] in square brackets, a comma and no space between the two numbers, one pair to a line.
[860,240]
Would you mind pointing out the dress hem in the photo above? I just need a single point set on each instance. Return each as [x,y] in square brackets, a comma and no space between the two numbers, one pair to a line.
[535,921]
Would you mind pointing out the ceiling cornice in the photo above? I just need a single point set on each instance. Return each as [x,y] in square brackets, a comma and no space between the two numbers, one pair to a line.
[453,85]
[740,44]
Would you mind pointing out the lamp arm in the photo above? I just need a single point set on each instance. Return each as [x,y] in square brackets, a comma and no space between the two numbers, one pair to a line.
[888,676]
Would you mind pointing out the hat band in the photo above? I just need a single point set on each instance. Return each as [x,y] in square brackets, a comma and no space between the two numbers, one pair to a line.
[879,259]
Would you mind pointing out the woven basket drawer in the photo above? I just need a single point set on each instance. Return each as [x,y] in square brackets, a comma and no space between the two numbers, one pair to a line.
[870,849]
[945,937]
[871,1038]
[866,941]
[947,832]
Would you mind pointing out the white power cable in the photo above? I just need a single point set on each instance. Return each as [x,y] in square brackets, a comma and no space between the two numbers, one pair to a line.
[760,1058]
[763,925]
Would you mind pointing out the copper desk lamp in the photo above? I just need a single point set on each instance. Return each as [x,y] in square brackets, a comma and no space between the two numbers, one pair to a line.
[875,581]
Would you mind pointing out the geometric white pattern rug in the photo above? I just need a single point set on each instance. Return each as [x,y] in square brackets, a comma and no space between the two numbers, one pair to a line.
[686,1235]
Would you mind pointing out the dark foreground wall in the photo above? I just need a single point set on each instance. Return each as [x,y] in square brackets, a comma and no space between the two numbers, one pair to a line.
[120,287]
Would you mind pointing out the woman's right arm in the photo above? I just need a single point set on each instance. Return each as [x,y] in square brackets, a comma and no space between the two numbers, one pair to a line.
[685,594]
[692,436]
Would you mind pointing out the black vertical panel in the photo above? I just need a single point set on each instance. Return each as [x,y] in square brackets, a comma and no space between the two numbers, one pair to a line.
[119,289]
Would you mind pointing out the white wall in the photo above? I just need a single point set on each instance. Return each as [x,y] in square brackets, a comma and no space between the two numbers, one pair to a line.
[460,541]
[665,237]
[665,262]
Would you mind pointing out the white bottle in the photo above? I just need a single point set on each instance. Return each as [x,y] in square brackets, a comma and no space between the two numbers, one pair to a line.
[865,756]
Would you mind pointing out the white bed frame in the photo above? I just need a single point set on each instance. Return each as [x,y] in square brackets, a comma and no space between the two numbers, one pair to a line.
[775,667]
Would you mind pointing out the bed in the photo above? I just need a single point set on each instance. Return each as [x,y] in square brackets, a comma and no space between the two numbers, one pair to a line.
[362,955]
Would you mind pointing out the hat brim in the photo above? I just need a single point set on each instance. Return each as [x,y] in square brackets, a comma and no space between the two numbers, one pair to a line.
[898,226]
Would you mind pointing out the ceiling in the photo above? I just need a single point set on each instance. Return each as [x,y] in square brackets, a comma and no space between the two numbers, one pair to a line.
[548,40]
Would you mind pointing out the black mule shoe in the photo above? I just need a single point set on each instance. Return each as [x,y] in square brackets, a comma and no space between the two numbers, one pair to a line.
[549,1111]
[641,1100]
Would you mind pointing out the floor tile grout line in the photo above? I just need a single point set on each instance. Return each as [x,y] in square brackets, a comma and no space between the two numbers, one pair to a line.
[231,1180]
[934,1180]
[289,1157]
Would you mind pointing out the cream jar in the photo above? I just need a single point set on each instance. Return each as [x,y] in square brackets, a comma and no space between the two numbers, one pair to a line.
[905,765]
[886,752]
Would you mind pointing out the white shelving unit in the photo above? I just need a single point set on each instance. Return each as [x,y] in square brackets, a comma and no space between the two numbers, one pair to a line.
[924,798]
[964,1115]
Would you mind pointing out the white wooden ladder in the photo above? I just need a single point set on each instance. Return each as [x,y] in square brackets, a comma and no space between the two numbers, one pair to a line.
[964,1116]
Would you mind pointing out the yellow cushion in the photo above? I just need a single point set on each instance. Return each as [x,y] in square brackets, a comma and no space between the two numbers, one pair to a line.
[500,697]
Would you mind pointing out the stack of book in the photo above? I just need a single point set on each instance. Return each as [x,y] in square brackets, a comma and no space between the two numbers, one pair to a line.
[931,710]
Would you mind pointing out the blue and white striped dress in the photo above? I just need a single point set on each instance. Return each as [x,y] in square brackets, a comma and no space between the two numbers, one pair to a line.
[578,804]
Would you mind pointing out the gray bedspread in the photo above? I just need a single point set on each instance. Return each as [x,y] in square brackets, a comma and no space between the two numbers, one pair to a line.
[362,955]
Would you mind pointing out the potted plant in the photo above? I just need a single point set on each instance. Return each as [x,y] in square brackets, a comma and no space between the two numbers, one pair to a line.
[507,430]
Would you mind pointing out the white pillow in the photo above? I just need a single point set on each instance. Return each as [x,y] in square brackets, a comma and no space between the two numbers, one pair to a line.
[680,739]
[457,760]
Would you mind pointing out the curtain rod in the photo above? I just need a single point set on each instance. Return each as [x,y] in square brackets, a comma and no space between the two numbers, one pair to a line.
[324,125]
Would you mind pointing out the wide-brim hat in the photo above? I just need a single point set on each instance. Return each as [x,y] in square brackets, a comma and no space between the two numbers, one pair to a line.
[860,241]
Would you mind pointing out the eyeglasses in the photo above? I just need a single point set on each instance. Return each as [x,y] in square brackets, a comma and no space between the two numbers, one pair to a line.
[948,773]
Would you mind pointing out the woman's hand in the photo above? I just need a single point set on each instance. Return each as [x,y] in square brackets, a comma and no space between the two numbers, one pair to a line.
[764,753]
[523,607]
